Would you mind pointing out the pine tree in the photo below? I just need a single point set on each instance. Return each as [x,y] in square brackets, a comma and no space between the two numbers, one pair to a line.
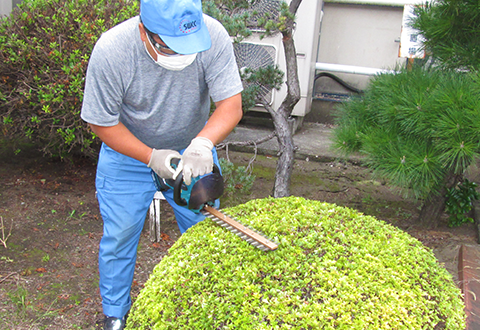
[418,129]
[452,32]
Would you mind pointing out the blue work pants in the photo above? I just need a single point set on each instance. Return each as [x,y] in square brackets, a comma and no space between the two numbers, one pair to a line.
[125,190]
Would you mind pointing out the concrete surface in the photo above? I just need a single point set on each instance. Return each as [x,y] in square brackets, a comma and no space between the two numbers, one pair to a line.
[312,140]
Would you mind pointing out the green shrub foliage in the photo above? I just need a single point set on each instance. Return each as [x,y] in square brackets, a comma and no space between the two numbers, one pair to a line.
[416,128]
[452,30]
[45,46]
[238,182]
[335,268]
[460,201]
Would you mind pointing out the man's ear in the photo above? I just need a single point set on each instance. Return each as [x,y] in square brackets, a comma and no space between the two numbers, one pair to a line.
[143,33]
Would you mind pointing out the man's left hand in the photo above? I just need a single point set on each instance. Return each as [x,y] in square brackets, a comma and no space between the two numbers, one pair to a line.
[197,159]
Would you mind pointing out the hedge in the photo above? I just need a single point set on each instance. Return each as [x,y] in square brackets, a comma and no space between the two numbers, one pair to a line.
[335,268]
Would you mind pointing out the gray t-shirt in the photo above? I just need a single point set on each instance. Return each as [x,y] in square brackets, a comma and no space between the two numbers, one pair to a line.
[164,109]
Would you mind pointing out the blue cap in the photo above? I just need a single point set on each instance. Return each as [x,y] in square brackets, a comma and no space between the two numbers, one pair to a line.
[178,22]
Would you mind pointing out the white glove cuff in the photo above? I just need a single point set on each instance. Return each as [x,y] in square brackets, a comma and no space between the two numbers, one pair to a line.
[201,141]
[150,162]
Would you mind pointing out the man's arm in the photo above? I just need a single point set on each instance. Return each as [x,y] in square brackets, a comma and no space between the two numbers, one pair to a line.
[120,139]
[226,116]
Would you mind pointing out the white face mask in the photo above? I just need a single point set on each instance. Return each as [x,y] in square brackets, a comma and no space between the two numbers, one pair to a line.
[174,63]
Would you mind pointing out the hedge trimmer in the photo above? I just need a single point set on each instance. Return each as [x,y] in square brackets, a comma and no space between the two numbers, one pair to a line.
[199,197]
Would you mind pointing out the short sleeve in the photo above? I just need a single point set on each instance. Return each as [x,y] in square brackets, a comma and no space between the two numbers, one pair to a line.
[221,72]
[103,86]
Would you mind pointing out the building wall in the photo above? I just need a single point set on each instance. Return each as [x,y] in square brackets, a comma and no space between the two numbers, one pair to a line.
[356,34]
[359,35]
[5,7]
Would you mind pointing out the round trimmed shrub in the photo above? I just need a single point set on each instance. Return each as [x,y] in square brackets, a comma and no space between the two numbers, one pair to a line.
[335,268]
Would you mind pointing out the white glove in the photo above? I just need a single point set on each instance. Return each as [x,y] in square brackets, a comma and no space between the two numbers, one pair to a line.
[196,160]
[160,162]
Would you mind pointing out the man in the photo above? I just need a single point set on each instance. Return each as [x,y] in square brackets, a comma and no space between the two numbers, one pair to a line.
[147,97]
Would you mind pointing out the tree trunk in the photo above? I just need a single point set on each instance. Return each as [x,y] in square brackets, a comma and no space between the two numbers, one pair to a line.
[432,210]
[283,174]
[434,206]
[281,116]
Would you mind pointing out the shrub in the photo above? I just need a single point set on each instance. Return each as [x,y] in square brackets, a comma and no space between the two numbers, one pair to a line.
[335,268]
[238,182]
[460,202]
[45,46]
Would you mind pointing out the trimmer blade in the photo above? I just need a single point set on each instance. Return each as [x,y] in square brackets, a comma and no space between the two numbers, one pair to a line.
[247,234]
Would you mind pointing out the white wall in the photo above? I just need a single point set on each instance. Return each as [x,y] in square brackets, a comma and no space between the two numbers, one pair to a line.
[359,35]
[5,7]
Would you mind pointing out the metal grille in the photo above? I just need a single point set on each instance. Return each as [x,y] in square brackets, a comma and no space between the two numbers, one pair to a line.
[263,8]
[255,56]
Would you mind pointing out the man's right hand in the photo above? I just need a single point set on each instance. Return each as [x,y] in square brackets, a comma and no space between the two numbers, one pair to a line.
[160,162]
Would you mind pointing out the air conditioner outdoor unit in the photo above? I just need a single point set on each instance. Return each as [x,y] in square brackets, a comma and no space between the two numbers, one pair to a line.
[254,52]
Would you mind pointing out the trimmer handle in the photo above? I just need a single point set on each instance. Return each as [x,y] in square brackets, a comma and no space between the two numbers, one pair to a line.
[165,184]
[201,191]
